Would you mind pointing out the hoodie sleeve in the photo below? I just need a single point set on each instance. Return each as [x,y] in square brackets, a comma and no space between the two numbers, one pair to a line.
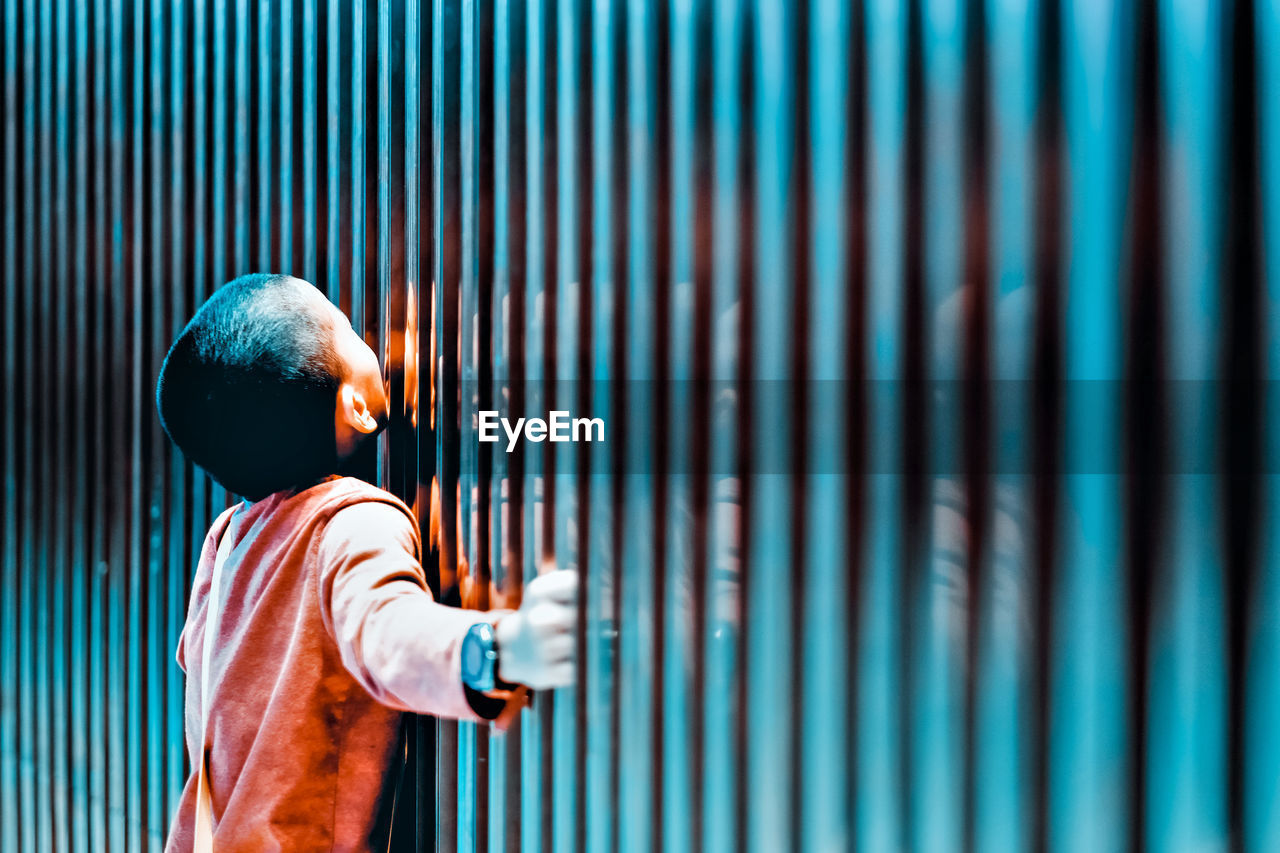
[402,645]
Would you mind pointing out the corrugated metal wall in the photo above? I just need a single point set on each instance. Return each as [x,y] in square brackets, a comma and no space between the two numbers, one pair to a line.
[937,505]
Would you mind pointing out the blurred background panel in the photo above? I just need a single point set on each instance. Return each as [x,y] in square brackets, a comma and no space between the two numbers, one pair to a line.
[932,338]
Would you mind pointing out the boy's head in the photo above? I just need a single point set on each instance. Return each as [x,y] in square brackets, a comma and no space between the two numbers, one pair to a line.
[269,387]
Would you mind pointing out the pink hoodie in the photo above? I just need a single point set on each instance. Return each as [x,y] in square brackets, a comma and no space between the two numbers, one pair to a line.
[327,634]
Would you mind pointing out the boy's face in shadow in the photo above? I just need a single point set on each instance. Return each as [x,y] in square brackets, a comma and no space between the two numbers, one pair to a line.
[363,375]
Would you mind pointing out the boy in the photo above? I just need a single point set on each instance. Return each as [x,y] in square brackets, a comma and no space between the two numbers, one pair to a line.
[310,629]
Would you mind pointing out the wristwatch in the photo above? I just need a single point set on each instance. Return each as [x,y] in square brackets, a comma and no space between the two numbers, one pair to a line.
[480,658]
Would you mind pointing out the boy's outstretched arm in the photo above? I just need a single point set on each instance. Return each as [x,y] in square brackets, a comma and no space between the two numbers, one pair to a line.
[402,645]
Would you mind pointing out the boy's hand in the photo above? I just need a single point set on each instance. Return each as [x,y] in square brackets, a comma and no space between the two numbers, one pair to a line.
[536,644]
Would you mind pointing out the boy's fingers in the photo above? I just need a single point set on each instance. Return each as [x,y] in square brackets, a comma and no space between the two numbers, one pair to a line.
[566,674]
[559,649]
[560,586]
[561,675]
[549,618]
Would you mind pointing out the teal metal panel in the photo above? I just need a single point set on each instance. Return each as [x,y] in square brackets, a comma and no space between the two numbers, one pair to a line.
[769,316]
[139,567]
[158,234]
[181,479]
[1186,804]
[10,584]
[333,163]
[268,88]
[598,667]
[539,259]
[294,76]
[47,597]
[309,71]
[241,114]
[96,625]
[26,608]
[1003,800]
[935,624]
[572,94]
[1261,822]
[637,664]
[356,159]
[502,500]
[881,712]
[731,210]
[827,174]
[57,286]
[1262,786]
[936,504]
[468,357]
[445,47]
[679,602]
[1089,728]
[118,471]
[82,555]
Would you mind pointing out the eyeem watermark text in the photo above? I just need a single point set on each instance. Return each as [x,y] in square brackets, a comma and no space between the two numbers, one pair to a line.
[557,427]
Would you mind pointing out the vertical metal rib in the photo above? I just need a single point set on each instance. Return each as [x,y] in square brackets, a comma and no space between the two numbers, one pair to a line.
[10,567]
[1145,434]
[482,562]
[153,243]
[769,515]
[583,247]
[817,207]
[185,537]
[824,179]
[1089,690]
[240,116]
[501,500]
[103,488]
[1250,158]
[445,86]
[357,70]
[1045,402]
[679,601]
[1180,109]
[567,287]
[26,267]
[468,154]
[974,403]
[118,472]
[1003,799]
[268,89]
[333,168]
[880,710]
[539,89]
[309,119]
[856,271]
[731,209]
[58,287]
[636,659]
[515,192]
[46,348]
[291,67]
[599,665]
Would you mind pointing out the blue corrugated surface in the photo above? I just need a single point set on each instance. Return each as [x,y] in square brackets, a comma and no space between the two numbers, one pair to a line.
[930,336]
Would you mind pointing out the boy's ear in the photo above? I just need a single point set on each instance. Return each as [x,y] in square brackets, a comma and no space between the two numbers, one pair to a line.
[353,410]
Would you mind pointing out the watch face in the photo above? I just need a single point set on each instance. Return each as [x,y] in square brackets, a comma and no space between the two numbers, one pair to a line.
[477,660]
[471,658]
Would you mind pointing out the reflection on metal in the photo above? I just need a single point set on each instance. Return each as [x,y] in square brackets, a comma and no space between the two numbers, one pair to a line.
[881,551]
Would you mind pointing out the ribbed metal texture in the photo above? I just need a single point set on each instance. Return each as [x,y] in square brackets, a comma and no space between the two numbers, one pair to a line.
[937,508]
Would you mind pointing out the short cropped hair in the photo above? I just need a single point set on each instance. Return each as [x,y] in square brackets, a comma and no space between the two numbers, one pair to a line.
[247,390]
